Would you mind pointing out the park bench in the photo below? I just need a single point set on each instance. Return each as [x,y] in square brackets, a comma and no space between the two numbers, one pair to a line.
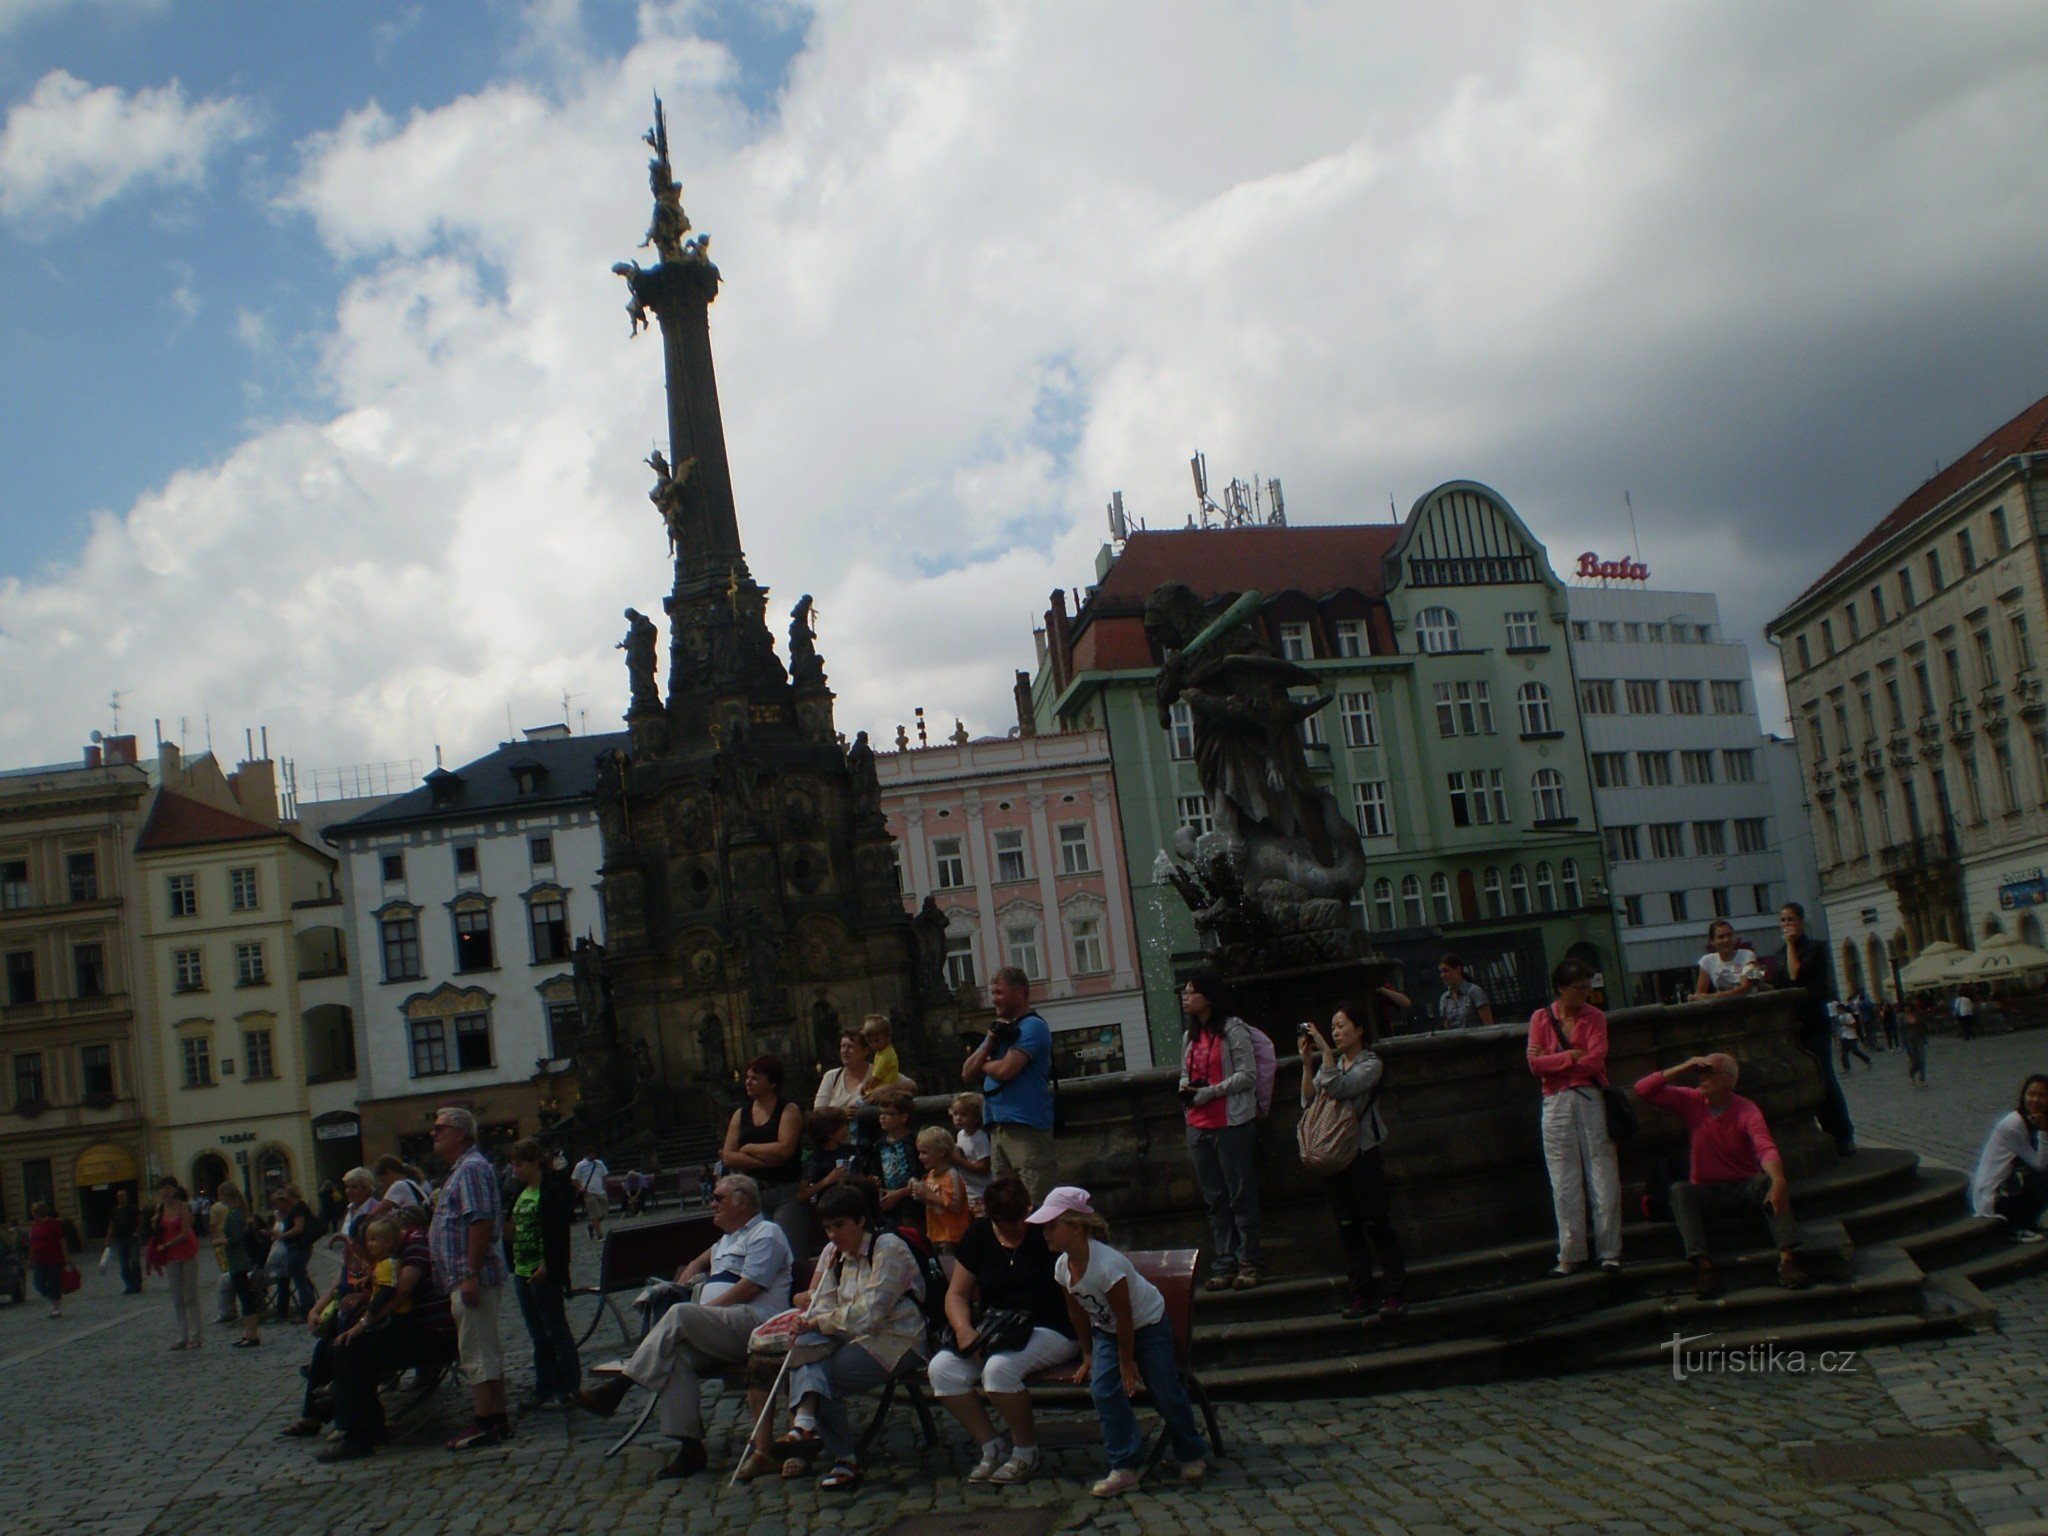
[634,1255]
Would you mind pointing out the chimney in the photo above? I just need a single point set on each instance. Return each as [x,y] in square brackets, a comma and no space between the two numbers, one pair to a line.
[1027,724]
[117,749]
[170,763]
[255,787]
[92,756]
[1059,637]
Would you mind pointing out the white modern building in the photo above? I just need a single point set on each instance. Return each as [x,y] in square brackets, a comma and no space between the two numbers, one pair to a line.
[465,898]
[1682,779]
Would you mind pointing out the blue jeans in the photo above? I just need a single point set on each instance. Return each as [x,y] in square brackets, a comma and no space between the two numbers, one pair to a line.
[557,1369]
[847,1372]
[1227,1173]
[128,1255]
[1161,1372]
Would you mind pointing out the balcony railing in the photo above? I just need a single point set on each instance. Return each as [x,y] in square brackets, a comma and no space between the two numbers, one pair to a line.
[1917,852]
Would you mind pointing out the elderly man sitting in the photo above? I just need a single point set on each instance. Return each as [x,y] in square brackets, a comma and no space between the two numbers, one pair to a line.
[745,1282]
[1735,1165]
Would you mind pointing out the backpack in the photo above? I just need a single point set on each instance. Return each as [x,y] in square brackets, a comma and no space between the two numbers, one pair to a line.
[1269,1067]
[931,1276]
[1327,1134]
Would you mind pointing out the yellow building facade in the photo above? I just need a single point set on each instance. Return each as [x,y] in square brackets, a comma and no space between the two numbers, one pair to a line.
[241,943]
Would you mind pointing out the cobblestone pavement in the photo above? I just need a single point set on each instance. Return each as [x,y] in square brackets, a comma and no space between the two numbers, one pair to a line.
[112,1433]
[1970,1083]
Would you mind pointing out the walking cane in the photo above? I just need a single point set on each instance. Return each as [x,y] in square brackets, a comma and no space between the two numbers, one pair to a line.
[767,1408]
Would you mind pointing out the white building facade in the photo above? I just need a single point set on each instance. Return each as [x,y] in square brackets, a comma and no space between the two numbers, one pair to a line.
[465,898]
[1681,780]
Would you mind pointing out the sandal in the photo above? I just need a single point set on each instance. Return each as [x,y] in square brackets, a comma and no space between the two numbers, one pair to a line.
[302,1429]
[843,1478]
[798,1442]
[756,1464]
[796,1467]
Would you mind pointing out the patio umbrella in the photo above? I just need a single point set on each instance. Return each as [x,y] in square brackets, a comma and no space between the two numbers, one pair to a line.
[1933,967]
[1999,956]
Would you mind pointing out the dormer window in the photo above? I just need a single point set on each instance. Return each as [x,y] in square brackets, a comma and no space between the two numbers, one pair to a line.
[526,776]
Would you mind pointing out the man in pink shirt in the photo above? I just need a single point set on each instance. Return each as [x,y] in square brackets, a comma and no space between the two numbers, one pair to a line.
[1735,1165]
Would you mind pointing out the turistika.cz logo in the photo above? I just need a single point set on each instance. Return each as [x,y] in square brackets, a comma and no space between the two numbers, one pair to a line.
[1761,1359]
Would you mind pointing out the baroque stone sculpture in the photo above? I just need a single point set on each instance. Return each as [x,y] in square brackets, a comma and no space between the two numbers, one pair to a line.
[1272,883]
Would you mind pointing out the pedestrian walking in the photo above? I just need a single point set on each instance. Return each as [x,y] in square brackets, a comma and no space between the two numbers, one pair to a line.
[1851,1037]
[46,1257]
[1965,1010]
[124,1237]
[1913,1035]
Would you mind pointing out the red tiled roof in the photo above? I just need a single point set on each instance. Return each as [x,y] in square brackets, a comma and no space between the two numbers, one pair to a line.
[176,822]
[1313,559]
[2025,433]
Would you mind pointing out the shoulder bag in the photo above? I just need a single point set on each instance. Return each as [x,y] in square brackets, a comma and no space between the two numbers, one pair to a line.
[1327,1134]
[1621,1114]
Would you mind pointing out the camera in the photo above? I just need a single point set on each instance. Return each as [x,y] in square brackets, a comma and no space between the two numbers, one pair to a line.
[1005,1032]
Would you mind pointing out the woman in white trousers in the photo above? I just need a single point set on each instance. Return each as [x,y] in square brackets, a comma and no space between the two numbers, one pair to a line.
[1568,1054]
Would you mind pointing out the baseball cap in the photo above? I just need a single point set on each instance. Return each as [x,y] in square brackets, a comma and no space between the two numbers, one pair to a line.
[1062,1200]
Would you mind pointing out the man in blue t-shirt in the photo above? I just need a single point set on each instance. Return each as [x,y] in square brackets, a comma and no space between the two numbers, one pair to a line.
[1013,1069]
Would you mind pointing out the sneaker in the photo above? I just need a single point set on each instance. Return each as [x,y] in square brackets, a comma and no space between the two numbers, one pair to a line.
[2028,1235]
[991,1458]
[1568,1267]
[1015,1470]
[688,1460]
[480,1433]
[1193,1471]
[1219,1282]
[1122,1480]
[1248,1278]
[347,1449]
[1611,1266]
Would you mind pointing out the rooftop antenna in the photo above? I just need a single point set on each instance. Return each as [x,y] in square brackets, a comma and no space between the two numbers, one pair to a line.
[511,730]
[922,739]
[114,705]
[207,720]
[566,696]
[1276,505]
[1393,512]
[1626,501]
[248,743]
[1200,465]
[1119,525]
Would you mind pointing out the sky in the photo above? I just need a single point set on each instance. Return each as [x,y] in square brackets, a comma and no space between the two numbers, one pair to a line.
[321,413]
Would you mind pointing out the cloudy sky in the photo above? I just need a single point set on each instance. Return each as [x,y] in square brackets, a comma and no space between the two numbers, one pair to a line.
[321,413]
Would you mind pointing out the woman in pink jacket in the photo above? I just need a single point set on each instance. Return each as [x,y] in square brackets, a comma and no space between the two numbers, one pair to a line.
[1568,1054]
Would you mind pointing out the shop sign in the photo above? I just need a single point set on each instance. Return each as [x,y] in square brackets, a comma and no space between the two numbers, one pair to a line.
[235,1138]
[2027,890]
[340,1130]
[1593,568]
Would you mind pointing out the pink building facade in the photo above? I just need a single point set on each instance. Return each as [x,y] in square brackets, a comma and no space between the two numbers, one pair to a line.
[1018,841]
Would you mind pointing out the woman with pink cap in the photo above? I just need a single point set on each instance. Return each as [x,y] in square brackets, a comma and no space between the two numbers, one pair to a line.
[1123,1317]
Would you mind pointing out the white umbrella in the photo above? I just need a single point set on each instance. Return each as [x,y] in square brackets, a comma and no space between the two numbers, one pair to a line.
[2001,955]
[1934,966]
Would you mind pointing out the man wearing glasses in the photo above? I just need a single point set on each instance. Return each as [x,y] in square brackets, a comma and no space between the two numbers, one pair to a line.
[746,1276]
[469,1266]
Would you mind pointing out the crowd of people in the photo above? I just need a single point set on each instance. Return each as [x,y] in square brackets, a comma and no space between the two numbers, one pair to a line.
[855,1245]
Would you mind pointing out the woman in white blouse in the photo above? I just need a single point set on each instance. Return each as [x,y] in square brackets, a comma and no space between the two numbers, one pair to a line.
[841,1087]
[1724,966]
[865,1317]
[2012,1173]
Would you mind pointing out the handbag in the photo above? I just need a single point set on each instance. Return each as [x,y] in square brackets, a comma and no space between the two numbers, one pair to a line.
[1614,1102]
[72,1279]
[106,1259]
[1327,1134]
[999,1331]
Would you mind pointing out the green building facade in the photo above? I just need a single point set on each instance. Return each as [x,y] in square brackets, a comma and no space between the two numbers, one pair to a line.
[1453,736]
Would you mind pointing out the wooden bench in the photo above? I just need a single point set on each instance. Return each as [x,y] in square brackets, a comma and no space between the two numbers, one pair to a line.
[634,1255]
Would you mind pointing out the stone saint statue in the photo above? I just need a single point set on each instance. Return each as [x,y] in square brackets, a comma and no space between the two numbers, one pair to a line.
[929,927]
[805,665]
[667,495]
[867,788]
[639,646]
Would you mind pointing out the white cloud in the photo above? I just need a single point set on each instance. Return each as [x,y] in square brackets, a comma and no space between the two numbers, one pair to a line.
[986,264]
[69,149]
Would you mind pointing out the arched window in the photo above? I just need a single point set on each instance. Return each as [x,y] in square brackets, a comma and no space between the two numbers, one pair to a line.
[1533,700]
[1383,903]
[1494,906]
[1518,890]
[1852,969]
[1878,969]
[1436,631]
[1548,785]
[1546,889]
[1411,901]
[1573,897]
[1440,897]
[2030,929]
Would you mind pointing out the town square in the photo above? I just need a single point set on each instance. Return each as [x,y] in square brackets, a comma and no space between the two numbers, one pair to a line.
[1315,801]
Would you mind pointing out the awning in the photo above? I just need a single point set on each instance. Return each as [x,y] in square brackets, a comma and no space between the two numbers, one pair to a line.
[2001,955]
[104,1163]
[1934,966]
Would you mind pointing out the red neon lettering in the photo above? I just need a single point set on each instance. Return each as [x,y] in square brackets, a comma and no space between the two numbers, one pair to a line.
[1591,566]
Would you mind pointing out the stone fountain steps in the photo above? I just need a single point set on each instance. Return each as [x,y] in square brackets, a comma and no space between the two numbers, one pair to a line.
[1893,1248]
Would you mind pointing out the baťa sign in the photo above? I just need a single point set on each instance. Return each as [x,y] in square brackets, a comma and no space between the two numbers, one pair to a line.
[1592,567]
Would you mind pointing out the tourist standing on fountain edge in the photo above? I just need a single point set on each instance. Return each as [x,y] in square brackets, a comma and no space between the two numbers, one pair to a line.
[1013,1069]
[1568,1054]
[1219,1073]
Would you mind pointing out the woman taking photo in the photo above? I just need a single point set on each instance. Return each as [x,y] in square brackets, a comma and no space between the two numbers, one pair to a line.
[1726,967]
[1219,1101]
[2012,1173]
[1343,1066]
[842,1087]
[763,1140]
[1568,1054]
[1002,1264]
[866,1313]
